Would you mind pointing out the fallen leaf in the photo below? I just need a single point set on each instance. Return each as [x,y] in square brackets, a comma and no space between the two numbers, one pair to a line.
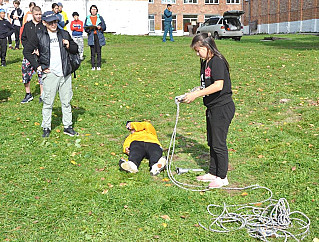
[183,216]
[36,123]
[202,193]
[244,194]
[125,206]
[110,185]
[156,237]
[112,153]
[196,225]
[41,167]
[105,191]
[90,213]
[73,162]
[35,221]
[37,197]
[168,185]
[122,184]
[58,130]
[73,154]
[87,134]
[165,179]
[260,156]
[140,229]
[258,204]
[102,178]
[164,225]
[166,217]
[293,168]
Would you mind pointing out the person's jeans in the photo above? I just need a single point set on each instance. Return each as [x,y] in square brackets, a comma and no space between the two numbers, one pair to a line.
[96,50]
[168,28]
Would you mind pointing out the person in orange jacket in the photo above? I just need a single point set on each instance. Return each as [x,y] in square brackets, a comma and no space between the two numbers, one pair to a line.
[142,143]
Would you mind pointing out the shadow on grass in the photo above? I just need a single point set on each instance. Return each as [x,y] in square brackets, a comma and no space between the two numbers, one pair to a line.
[296,43]
[12,61]
[198,151]
[4,95]
[57,115]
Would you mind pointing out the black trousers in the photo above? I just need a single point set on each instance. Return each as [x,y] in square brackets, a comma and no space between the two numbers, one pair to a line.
[140,150]
[3,50]
[9,40]
[17,35]
[96,50]
[218,121]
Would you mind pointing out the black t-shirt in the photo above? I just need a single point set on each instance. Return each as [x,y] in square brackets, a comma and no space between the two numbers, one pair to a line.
[216,69]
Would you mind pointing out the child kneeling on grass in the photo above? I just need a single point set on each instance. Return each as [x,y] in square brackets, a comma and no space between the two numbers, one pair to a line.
[142,143]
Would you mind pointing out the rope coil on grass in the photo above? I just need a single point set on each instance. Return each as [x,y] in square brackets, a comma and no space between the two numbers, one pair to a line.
[274,221]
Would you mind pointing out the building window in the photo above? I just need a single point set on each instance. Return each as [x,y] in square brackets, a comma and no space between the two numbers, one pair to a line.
[168,1]
[150,1]
[190,1]
[189,20]
[174,22]
[151,23]
[211,1]
[232,1]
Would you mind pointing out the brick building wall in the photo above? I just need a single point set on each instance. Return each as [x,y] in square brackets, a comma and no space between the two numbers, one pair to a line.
[180,9]
[277,11]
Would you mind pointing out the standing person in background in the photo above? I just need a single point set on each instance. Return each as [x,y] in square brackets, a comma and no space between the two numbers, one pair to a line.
[6,29]
[17,18]
[64,15]
[7,9]
[95,26]
[168,23]
[53,45]
[77,33]
[28,16]
[29,31]
[55,9]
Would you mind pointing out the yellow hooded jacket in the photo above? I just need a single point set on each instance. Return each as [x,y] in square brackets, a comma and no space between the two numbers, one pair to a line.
[144,131]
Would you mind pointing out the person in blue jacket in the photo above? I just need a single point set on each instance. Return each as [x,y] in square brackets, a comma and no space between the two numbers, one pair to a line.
[168,23]
[95,26]
[55,9]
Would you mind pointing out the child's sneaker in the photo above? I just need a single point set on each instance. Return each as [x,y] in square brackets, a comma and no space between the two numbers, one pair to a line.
[70,131]
[206,178]
[158,167]
[218,183]
[128,166]
[28,98]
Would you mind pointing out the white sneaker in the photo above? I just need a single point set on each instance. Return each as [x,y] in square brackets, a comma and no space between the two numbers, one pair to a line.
[98,68]
[129,166]
[206,178]
[218,183]
[158,167]
[93,69]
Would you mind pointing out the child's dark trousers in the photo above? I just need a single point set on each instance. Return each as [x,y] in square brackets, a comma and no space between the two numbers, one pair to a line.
[3,50]
[218,121]
[140,150]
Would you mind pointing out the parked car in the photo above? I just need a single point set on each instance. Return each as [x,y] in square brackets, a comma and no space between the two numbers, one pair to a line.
[226,26]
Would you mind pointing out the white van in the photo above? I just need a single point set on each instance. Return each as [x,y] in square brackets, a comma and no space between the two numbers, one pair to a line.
[226,26]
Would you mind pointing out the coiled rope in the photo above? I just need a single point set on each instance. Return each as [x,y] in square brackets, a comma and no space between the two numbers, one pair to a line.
[274,220]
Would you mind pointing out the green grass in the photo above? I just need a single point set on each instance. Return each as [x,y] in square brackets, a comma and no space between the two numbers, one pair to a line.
[45,196]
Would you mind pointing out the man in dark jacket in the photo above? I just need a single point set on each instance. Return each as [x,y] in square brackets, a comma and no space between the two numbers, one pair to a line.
[53,45]
[6,30]
[168,16]
[29,31]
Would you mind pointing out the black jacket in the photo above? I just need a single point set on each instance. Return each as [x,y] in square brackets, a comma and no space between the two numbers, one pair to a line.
[6,29]
[29,31]
[41,41]
[19,13]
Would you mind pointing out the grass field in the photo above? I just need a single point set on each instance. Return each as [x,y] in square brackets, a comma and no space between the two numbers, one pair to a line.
[70,189]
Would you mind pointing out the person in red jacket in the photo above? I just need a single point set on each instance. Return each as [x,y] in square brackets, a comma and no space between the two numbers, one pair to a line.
[77,32]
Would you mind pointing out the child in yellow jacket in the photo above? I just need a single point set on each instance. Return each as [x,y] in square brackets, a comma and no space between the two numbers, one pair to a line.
[142,143]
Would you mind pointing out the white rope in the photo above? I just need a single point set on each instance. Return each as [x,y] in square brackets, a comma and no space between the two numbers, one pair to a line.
[273,220]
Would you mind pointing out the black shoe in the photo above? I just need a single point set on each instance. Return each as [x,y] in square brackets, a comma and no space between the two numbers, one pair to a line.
[28,97]
[40,100]
[46,133]
[70,131]
[3,64]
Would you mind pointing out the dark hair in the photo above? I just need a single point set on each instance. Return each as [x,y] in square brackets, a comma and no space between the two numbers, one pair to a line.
[32,4]
[36,8]
[54,5]
[168,5]
[205,40]
[94,6]
[75,14]
[16,2]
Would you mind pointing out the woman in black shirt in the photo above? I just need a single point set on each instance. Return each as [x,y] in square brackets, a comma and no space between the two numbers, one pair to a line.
[217,93]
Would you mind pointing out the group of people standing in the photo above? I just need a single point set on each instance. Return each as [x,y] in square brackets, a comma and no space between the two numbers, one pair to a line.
[46,49]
